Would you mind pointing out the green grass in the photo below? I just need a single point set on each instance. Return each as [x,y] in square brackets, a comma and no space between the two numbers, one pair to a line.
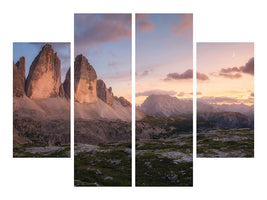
[161,170]
[153,169]
[106,167]
[226,143]
[21,151]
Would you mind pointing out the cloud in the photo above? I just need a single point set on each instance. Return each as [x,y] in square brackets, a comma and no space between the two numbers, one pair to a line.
[184,26]
[145,25]
[212,99]
[188,74]
[176,76]
[252,94]
[229,70]
[144,73]
[249,67]
[93,29]
[155,92]
[225,100]
[139,17]
[181,94]
[198,93]
[201,76]
[235,72]
[230,75]
[143,22]
[124,18]
[117,63]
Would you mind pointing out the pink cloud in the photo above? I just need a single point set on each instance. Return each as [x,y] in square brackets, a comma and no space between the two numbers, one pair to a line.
[231,76]
[143,22]
[145,25]
[91,29]
[139,17]
[229,72]
[188,74]
[202,76]
[198,93]
[184,26]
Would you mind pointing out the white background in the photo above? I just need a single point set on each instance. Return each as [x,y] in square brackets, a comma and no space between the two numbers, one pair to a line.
[47,21]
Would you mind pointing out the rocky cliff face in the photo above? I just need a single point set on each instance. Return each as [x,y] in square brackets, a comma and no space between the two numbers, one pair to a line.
[124,102]
[66,84]
[19,78]
[85,80]
[165,106]
[103,93]
[44,78]
[64,89]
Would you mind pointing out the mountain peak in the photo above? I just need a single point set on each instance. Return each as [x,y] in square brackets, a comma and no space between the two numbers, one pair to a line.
[44,78]
[103,93]
[19,78]
[47,47]
[165,105]
[85,80]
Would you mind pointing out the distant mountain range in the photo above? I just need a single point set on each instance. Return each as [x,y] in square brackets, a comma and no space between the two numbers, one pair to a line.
[220,116]
[165,106]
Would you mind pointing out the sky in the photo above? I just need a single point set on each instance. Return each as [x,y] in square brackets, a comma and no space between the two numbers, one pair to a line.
[105,40]
[30,50]
[230,71]
[164,55]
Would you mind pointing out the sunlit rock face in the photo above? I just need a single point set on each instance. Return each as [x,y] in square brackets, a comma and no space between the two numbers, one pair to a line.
[123,101]
[85,80]
[103,93]
[44,78]
[19,78]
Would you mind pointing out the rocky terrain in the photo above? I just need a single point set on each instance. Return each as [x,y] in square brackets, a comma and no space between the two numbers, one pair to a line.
[223,120]
[103,164]
[102,131]
[226,143]
[41,107]
[164,144]
[225,130]
[165,162]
